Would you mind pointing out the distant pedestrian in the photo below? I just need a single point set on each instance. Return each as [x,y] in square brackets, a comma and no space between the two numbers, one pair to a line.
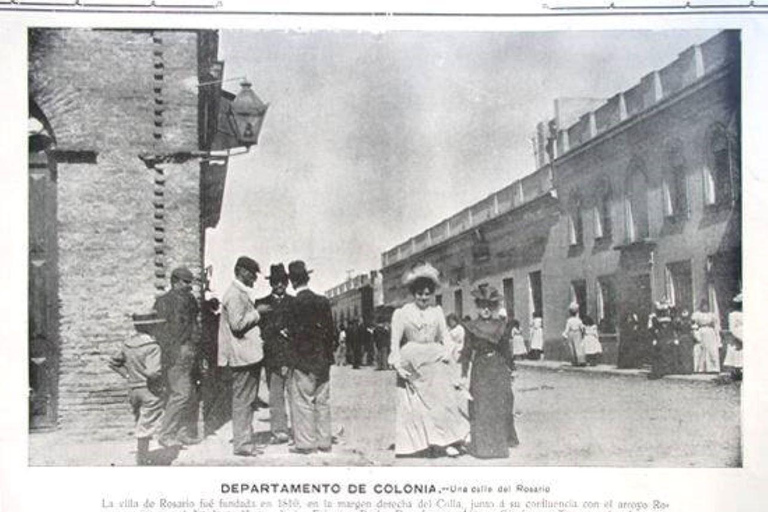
[631,342]
[369,350]
[593,350]
[707,334]
[241,349]
[665,343]
[355,337]
[519,350]
[458,334]
[487,348]
[180,341]
[278,350]
[684,330]
[381,335]
[536,336]
[574,335]
[734,359]
[138,361]
[312,331]
[341,349]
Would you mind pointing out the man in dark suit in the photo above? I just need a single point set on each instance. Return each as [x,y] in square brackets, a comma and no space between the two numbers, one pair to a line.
[277,350]
[179,340]
[310,326]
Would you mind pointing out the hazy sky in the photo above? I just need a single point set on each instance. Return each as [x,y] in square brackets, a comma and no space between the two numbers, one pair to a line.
[371,138]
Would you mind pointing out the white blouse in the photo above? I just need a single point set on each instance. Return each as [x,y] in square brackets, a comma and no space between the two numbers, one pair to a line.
[417,326]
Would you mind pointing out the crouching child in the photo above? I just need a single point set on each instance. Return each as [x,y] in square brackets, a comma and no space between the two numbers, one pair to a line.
[138,361]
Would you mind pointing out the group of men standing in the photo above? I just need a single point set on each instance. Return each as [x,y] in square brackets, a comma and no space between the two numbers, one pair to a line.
[363,345]
[292,338]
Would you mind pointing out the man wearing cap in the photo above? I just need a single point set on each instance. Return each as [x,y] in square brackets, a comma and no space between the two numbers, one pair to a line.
[179,339]
[138,361]
[241,349]
[277,350]
[310,326]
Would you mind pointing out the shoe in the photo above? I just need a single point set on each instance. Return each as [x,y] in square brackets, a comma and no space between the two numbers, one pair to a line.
[301,451]
[248,453]
[188,440]
[325,449]
[169,443]
[452,451]
[260,404]
[279,438]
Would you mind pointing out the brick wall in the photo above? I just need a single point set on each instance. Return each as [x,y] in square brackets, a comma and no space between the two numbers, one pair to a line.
[99,91]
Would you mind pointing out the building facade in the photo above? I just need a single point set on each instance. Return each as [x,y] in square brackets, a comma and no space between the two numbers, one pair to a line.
[356,299]
[120,194]
[639,200]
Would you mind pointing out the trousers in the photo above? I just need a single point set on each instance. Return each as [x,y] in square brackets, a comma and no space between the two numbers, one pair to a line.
[278,415]
[181,397]
[310,410]
[245,387]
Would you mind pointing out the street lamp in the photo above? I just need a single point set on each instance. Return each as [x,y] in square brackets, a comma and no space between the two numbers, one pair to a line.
[247,114]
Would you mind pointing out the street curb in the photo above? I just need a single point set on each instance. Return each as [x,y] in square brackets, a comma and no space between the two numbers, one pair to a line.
[604,369]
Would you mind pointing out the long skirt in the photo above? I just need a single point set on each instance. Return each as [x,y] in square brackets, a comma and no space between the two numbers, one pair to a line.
[492,421]
[666,359]
[430,409]
[706,355]
[576,344]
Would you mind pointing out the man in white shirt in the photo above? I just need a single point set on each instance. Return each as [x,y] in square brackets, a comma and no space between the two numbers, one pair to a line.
[241,349]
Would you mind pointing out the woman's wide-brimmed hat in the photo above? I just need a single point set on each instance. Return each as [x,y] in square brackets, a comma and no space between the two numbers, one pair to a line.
[486,293]
[424,270]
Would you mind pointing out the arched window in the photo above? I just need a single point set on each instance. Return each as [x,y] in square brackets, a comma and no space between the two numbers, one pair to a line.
[575,224]
[636,203]
[674,184]
[721,169]
[601,213]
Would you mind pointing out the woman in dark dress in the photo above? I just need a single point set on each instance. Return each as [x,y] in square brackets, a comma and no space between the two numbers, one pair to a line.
[630,343]
[684,329]
[486,347]
[666,348]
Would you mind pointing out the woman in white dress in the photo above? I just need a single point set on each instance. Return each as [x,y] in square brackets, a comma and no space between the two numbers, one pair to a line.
[734,358]
[431,408]
[517,342]
[706,352]
[457,337]
[537,336]
[574,335]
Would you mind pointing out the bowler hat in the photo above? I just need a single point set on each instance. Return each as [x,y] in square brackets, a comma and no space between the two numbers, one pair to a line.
[298,269]
[248,264]
[182,274]
[277,274]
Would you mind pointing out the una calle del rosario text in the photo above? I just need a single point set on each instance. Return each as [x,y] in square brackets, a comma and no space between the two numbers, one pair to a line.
[377,488]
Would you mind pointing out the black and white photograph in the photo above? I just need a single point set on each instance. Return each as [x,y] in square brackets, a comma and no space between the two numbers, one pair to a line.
[316,247]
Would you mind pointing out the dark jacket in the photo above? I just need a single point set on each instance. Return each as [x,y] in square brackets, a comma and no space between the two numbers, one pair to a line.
[277,346]
[180,310]
[310,326]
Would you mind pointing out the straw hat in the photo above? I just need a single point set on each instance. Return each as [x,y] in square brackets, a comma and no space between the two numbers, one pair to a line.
[424,270]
